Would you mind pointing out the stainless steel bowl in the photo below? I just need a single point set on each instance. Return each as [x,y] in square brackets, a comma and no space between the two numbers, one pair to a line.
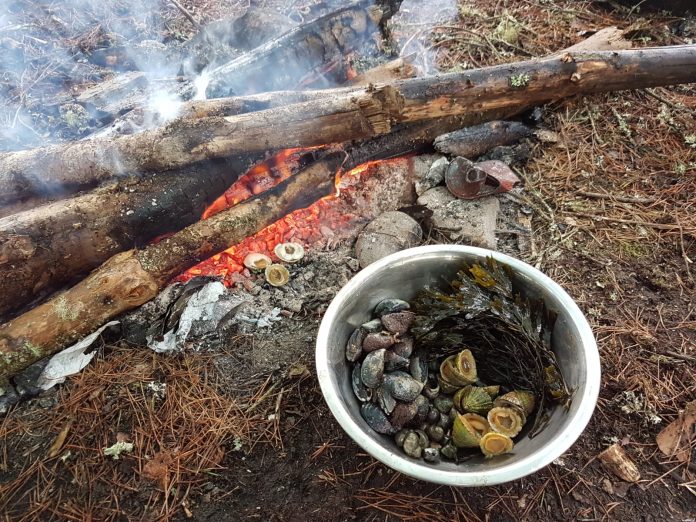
[402,275]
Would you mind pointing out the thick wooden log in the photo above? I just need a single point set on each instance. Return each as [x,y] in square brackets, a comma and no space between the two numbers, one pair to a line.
[344,115]
[46,247]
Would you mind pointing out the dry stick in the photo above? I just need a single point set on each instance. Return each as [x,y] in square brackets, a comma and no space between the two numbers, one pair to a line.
[345,115]
[186,13]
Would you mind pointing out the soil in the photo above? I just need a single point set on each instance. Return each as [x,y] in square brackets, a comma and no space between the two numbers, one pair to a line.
[241,429]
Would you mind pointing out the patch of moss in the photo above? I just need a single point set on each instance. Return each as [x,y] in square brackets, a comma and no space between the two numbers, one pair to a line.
[66,311]
[635,249]
[519,81]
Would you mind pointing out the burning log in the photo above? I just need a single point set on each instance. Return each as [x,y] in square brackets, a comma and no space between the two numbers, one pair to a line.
[132,278]
[344,115]
[50,245]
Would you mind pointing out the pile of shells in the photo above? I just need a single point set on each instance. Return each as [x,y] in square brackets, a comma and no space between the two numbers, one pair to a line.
[275,273]
[433,408]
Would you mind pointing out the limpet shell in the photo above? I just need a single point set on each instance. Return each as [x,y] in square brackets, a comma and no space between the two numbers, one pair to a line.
[289,252]
[256,261]
[277,275]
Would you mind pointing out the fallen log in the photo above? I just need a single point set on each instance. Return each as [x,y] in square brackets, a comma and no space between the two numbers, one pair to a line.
[48,246]
[343,115]
[144,117]
[130,279]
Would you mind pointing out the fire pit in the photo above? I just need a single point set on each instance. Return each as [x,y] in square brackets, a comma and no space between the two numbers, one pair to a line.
[402,275]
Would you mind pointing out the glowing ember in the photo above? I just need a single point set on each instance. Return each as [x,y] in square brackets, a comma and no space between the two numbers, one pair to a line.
[259,179]
[304,226]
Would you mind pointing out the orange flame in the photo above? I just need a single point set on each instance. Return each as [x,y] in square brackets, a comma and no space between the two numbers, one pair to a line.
[305,226]
[258,179]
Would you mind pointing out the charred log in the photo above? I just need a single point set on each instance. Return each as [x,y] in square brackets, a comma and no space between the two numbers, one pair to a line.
[471,142]
[315,50]
[45,247]
[130,279]
[344,115]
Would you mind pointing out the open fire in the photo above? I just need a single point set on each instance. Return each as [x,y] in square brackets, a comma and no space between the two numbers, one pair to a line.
[305,226]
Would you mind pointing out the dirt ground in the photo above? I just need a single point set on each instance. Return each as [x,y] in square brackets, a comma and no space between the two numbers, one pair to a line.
[241,430]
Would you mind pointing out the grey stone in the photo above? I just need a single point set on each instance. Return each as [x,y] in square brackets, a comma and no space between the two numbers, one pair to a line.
[472,221]
[434,177]
[388,233]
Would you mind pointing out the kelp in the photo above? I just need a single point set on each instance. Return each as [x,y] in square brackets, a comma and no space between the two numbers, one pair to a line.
[508,334]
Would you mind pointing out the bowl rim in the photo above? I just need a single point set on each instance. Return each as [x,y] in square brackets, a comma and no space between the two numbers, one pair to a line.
[510,471]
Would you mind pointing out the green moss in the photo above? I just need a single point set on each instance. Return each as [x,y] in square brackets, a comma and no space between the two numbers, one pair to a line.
[519,81]
[635,249]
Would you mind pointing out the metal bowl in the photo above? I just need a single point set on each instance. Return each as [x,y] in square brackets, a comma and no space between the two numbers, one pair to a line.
[402,275]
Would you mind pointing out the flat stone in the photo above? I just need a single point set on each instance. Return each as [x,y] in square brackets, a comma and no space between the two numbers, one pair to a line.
[386,234]
[472,221]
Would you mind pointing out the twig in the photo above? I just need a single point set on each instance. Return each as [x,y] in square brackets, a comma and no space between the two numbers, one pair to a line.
[658,226]
[622,199]
[186,13]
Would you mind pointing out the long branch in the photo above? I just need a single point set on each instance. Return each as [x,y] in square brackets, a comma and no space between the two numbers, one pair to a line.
[344,115]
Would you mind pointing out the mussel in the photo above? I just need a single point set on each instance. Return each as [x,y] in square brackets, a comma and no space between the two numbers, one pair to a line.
[378,340]
[376,419]
[289,252]
[398,322]
[373,369]
[419,368]
[390,306]
[404,347]
[471,399]
[393,361]
[402,386]
[354,345]
[493,444]
[508,421]
[362,392]
[373,326]
[521,399]
[385,400]
[468,430]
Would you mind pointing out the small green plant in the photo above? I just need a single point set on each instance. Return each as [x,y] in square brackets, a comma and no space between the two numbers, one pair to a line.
[690,140]
[519,80]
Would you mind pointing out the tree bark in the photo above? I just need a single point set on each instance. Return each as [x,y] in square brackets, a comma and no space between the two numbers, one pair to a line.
[344,115]
[45,247]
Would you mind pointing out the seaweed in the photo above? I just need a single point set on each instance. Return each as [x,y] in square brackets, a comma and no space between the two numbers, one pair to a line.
[509,335]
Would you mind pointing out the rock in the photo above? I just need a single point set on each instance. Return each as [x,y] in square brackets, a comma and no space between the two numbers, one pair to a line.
[433,177]
[472,221]
[388,233]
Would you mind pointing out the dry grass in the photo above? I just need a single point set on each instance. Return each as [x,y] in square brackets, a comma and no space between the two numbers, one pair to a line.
[180,436]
